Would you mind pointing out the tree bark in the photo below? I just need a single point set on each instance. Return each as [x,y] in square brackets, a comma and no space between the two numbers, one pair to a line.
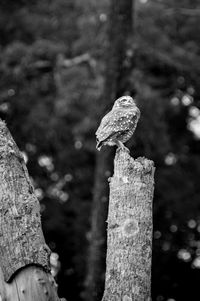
[128,271]
[24,256]
[116,83]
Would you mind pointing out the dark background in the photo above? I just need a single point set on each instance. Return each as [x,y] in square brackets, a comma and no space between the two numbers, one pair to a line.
[53,109]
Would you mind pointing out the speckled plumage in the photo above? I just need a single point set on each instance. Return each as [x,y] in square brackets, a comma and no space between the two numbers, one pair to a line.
[119,124]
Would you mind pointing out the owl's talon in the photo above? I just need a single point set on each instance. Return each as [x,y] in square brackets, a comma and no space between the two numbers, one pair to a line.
[124,149]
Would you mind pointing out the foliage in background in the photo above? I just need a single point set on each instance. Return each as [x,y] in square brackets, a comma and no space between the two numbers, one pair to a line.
[52,112]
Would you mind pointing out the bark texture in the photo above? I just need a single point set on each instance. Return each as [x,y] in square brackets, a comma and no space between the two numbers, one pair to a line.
[22,240]
[128,271]
[119,33]
[24,256]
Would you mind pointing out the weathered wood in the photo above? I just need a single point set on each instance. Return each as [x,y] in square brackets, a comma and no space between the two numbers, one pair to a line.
[21,237]
[30,284]
[24,256]
[128,271]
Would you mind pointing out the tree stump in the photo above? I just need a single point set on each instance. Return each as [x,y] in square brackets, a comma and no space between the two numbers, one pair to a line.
[129,249]
[24,255]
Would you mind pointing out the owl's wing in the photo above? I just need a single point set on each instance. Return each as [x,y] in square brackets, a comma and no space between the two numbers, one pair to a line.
[103,126]
[115,121]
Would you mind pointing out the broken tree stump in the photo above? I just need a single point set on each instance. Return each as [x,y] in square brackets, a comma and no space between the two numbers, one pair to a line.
[24,255]
[129,242]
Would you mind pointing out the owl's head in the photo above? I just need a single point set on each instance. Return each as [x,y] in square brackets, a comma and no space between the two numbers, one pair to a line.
[124,102]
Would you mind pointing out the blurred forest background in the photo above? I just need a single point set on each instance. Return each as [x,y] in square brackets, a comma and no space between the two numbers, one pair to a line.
[54,77]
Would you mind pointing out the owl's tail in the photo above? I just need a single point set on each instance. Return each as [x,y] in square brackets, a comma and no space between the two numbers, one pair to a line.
[99,145]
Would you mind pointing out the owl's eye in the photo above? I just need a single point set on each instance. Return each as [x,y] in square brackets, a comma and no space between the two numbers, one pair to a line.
[126,101]
[123,100]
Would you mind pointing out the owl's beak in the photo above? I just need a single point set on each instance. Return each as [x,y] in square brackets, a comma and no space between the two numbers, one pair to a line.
[127,103]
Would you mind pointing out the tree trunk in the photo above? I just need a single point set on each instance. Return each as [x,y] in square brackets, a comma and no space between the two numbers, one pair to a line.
[128,264]
[116,83]
[24,256]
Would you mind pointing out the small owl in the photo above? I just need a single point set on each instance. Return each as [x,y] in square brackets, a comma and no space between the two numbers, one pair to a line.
[119,124]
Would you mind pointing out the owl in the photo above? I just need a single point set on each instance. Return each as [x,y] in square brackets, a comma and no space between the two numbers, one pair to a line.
[119,124]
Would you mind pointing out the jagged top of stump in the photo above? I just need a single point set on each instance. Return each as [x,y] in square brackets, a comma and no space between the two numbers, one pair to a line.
[125,165]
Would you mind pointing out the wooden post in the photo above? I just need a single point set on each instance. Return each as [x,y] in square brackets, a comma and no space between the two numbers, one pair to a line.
[128,264]
[24,256]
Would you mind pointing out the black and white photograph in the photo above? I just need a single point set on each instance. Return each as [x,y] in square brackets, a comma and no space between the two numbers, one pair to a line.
[99,150]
